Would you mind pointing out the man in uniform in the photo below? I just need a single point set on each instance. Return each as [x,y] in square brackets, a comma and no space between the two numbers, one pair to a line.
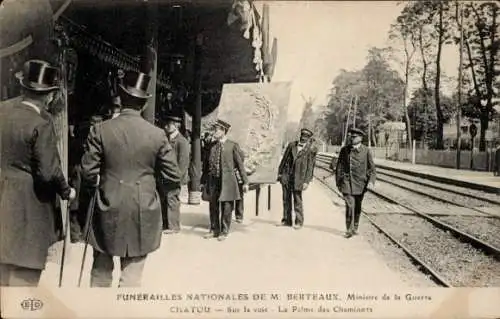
[221,182]
[124,157]
[295,172]
[31,176]
[354,171]
[172,205]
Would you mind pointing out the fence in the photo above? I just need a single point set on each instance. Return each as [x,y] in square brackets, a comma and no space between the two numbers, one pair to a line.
[481,161]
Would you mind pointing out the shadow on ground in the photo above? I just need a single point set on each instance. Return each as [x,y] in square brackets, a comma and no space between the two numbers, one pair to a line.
[329,230]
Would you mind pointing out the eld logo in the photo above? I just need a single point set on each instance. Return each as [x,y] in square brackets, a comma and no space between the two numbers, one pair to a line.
[31,304]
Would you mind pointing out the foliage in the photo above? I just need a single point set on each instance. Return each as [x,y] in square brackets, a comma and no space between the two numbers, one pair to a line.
[376,90]
[423,117]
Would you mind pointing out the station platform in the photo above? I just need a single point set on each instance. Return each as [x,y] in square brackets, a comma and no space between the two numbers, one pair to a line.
[478,180]
[257,256]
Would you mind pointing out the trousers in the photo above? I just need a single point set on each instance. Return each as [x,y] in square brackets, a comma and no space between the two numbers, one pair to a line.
[102,270]
[173,209]
[220,216]
[289,194]
[240,204]
[16,276]
[352,211]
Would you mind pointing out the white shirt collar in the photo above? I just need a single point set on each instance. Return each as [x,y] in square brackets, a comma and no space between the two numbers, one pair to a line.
[33,106]
[173,134]
[222,140]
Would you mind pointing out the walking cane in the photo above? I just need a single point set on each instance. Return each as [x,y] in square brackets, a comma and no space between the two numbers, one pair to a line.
[88,224]
[65,242]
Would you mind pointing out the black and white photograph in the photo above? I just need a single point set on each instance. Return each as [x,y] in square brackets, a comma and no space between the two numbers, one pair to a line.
[249,159]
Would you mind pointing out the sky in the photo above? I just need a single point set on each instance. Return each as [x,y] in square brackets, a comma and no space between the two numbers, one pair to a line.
[316,39]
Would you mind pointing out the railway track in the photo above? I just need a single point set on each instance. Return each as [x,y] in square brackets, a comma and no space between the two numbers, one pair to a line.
[466,222]
[428,241]
[480,202]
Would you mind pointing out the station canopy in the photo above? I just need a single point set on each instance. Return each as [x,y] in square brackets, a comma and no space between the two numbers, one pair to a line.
[235,46]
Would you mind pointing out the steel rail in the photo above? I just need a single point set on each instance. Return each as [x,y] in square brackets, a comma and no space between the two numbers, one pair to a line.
[467,238]
[323,158]
[420,263]
[484,199]
[437,198]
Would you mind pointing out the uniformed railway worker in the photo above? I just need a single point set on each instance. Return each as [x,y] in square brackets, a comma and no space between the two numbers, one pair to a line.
[30,178]
[221,184]
[354,171]
[295,172]
[172,205]
[129,154]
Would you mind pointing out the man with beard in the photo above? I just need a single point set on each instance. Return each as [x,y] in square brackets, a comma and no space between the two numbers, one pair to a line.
[295,172]
[171,205]
[354,171]
[31,176]
[129,154]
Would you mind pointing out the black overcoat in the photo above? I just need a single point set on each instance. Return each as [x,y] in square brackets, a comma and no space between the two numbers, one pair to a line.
[297,167]
[354,170]
[226,188]
[30,178]
[129,154]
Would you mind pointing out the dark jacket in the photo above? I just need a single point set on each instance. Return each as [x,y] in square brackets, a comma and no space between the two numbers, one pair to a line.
[129,154]
[30,178]
[226,187]
[181,147]
[496,162]
[296,167]
[354,170]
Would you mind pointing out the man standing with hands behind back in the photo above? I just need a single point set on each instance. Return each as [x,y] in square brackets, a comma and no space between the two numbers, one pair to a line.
[354,171]
[124,158]
[295,173]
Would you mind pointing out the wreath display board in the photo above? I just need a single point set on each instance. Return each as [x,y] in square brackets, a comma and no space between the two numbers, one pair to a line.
[257,113]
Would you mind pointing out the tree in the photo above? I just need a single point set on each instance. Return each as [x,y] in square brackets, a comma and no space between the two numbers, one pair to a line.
[308,118]
[482,47]
[377,91]
[404,30]
[424,120]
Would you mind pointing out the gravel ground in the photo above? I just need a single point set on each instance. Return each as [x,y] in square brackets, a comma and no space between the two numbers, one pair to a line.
[480,226]
[394,256]
[470,225]
[494,197]
[459,263]
[450,196]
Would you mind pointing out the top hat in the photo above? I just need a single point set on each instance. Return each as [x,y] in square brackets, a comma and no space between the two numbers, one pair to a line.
[39,76]
[306,132]
[356,131]
[136,84]
[173,119]
[224,125]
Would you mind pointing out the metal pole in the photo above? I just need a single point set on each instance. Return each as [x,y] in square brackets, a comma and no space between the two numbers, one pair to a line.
[195,165]
[347,122]
[356,100]
[459,106]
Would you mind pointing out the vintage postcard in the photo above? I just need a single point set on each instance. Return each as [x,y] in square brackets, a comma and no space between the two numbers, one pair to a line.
[249,159]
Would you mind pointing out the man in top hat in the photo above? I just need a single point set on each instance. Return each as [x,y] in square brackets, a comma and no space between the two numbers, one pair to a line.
[295,172]
[124,158]
[171,204]
[221,183]
[30,177]
[354,171]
